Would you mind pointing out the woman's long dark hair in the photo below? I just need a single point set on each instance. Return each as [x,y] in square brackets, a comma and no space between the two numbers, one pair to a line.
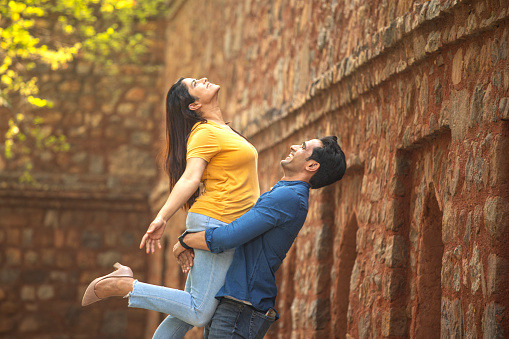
[179,122]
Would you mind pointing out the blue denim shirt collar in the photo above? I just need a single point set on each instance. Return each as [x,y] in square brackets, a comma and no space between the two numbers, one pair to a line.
[291,183]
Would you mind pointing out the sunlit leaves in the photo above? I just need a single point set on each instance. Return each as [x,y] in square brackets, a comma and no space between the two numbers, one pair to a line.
[51,34]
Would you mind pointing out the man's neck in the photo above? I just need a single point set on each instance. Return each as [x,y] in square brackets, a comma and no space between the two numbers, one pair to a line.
[295,177]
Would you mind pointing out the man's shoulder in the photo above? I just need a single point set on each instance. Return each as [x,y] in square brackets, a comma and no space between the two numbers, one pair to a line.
[287,194]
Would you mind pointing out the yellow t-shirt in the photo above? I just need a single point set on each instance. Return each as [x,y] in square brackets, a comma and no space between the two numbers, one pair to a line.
[231,176]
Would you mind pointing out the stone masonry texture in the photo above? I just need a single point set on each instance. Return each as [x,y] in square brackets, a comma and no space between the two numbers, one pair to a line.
[412,243]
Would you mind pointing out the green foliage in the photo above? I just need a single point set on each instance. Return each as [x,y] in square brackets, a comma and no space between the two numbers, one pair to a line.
[100,31]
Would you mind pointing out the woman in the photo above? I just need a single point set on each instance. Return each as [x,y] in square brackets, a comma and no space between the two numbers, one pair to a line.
[200,148]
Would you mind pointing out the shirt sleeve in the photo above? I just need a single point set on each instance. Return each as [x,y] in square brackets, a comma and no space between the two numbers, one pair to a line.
[202,144]
[266,214]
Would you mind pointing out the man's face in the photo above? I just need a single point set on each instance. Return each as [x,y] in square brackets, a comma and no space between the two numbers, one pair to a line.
[296,160]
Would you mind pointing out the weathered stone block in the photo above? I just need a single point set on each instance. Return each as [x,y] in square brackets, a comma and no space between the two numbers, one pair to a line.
[394,216]
[449,224]
[13,256]
[7,324]
[364,326]
[503,109]
[127,239]
[459,114]
[29,323]
[354,277]
[499,165]
[396,252]
[394,322]
[456,279]
[65,260]
[457,67]
[476,106]
[9,307]
[31,258]
[491,321]
[48,257]
[393,285]
[34,276]
[471,330]
[141,138]
[135,94]
[13,236]
[379,246]
[91,239]
[318,313]
[73,238]
[497,269]
[45,292]
[475,268]
[141,163]
[496,216]
[298,311]
[107,259]
[452,319]
[447,269]
[360,240]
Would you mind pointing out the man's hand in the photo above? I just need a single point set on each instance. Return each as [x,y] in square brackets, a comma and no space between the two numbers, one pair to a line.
[153,235]
[184,257]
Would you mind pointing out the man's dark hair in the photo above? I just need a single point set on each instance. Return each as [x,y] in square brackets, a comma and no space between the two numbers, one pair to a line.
[332,162]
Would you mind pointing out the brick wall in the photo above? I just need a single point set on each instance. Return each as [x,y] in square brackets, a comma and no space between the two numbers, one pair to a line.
[51,249]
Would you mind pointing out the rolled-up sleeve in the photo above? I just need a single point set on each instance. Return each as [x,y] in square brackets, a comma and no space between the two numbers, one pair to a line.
[267,213]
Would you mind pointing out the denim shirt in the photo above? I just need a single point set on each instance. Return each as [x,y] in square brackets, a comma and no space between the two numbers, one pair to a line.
[262,237]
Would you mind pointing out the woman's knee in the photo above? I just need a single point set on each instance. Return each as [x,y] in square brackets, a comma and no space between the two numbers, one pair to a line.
[203,316]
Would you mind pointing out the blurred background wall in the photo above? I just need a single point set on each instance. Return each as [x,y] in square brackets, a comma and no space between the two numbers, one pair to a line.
[411,243]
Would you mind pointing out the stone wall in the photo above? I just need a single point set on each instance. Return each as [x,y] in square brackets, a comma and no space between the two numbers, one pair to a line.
[52,247]
[412,242]
[89,206]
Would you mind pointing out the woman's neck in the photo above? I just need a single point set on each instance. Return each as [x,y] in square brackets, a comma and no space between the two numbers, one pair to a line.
[213,114]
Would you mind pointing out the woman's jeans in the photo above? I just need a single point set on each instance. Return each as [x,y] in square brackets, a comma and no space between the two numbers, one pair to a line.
[234,319]
[196,304]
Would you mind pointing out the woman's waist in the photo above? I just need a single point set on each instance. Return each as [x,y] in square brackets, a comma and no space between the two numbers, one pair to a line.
[224,212]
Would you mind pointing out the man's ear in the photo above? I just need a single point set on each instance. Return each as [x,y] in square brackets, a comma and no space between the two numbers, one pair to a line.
[194,106]
[312,166]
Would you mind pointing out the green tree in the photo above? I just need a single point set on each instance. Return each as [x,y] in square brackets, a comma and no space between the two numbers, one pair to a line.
[96,30]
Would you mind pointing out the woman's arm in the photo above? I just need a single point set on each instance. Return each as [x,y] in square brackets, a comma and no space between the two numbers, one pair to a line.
[182,191]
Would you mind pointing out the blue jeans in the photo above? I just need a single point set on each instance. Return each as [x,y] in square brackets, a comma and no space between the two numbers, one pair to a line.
[234,319]
[196,304]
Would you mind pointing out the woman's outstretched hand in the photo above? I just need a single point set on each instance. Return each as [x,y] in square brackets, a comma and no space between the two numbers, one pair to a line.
[153,235]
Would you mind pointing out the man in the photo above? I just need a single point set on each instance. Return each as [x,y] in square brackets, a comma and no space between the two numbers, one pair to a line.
[262,237]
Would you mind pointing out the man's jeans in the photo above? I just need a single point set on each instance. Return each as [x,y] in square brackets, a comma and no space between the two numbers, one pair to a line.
[234,319]
[196,305]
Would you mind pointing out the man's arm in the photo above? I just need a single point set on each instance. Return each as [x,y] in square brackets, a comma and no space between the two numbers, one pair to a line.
[269,212]
[265,215]
[261,218]
[193,240]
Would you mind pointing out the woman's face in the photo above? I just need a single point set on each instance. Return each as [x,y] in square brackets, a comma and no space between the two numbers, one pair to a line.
[202,89]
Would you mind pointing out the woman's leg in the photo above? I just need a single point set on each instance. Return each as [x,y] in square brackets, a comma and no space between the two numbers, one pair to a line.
[196,305]
[172,327]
